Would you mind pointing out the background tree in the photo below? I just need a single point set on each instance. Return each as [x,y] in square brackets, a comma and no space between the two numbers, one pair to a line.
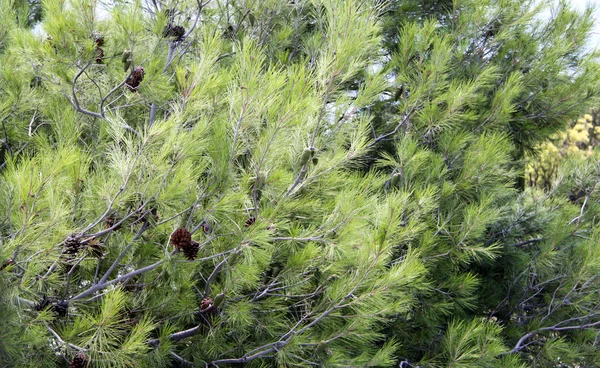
[581,138]
[293,183]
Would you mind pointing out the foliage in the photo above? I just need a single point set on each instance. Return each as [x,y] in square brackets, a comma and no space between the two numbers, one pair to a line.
[347,173]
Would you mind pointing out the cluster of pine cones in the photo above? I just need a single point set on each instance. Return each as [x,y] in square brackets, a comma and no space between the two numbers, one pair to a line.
[99,39]
[181,240]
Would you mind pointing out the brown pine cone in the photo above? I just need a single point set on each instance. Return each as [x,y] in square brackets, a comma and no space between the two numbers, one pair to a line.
[191,251]
[181,239]
[72,245]
[98,39]
[250,222]
[207,305]
[99,55]
[135,78]
[174,31]
[80,360]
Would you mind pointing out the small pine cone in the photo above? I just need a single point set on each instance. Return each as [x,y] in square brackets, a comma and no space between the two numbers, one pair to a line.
[207,305]
[72,245]
[250,222]
[576,195]
[135,78]
[80,360]
[174,31]
[191,251]
[99,55]
[181,239]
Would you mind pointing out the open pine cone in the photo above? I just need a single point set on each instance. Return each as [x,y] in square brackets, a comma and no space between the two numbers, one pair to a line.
[80,360]
[72,245]
[181,239]
[99,55]
[207,305]
[174,31]
[191,251]
[250,222]
[135,78]
[59,307]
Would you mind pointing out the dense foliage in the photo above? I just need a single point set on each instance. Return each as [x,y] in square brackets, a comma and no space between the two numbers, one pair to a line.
[294,183]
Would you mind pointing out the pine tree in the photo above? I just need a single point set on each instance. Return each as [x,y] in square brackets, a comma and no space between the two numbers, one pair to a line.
[477,86]
[166,214]
[293,183]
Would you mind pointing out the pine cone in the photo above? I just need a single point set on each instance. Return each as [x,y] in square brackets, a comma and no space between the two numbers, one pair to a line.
[174,31]
[191,251]
[98,38]
[207,305]
[135,78]
[80,360]
[99,55]
[250,222]
[72,245]
[181,239]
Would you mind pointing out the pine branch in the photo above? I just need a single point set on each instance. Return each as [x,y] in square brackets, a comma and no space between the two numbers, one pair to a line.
[75,102]
[285,339]
[61,341]
[527,242]
[556,328]
[102,285]
[178,336]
